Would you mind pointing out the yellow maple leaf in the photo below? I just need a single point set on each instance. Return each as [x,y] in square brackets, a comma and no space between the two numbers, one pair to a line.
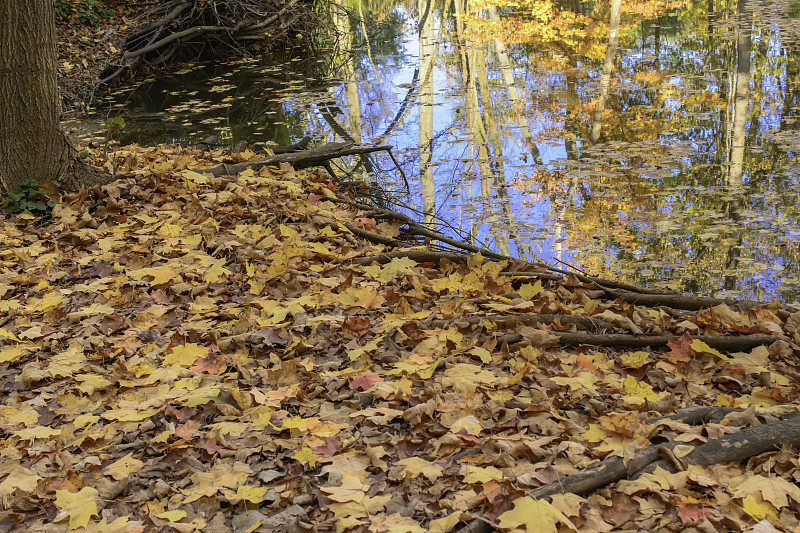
[700,347]
[128,414]
[200,396]
[443,525]
[469,424]
[535,515]
[51,300]
[595,433]
[465,377]
[634,359]
[10,354]
[775,490]
[529,291]
[286,231]
[396,523]
[202,305]
[216,271]
[583,381]
[7,334]
[640,389]
[7,305]
[161,274]
[251,493]
[352,489]
[12,416]
[79,506]
[170,230]
[20,479]
[365,297]
[38,432]
[757,510]
[91,382]
[478,474]
[172,516]
[306,456]
[194,177]
[413,467]
[123,467]
[120,525]
[186,355]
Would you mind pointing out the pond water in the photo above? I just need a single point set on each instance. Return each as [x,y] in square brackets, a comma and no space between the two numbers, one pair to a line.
[654,142]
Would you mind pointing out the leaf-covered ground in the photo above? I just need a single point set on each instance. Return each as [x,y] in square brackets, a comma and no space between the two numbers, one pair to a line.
[205,354]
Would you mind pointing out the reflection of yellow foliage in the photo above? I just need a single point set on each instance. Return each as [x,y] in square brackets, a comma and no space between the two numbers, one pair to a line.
[545,22]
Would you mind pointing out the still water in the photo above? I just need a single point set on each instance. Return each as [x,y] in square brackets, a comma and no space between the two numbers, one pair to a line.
[654,142]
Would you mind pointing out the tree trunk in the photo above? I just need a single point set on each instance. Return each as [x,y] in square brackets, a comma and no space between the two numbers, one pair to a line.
[32,146]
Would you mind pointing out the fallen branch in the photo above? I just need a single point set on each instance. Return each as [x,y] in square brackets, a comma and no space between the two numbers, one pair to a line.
[585,321]
[422,231]
[365,234]
[710,414]
[420,256]
[298,159]
[608,283]
[680,301]
[741,342]
[743,444]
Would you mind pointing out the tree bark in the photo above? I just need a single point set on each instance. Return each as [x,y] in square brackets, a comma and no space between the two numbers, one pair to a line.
[32,145]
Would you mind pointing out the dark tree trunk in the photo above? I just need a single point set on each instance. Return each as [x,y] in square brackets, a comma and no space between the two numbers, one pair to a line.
[32,145]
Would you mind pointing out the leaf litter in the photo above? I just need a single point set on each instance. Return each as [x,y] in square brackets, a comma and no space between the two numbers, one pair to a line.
[180,352]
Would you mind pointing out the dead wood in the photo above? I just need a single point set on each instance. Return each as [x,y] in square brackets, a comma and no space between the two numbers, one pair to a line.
[608,283]
[739,446]
[680,301]
[369,235]
[182,29]
[420,256]
[302,144]
[587,322]
[737,343]
[421,231]
[743,444]
[298,159]
[607,471]
[701,414]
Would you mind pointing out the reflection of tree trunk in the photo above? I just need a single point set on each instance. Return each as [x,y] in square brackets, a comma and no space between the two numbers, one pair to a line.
[742,95]
[478,159]
[571,119]
[367,41]
[605,77]
[498,170]
[426,61]
[738,137]
[488,115]
[657,43]
[508,77]
[345,52]
[710,17]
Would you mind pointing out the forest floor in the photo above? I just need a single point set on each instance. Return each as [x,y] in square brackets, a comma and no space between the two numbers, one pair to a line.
[193,353]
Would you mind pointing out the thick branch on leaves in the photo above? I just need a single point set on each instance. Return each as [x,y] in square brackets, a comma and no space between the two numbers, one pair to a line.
[679,301]
[301,159]
[741,342]
[420,256]
[746,443]
[585,321]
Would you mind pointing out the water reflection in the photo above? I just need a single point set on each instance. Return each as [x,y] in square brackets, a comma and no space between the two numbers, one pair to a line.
[654,141]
